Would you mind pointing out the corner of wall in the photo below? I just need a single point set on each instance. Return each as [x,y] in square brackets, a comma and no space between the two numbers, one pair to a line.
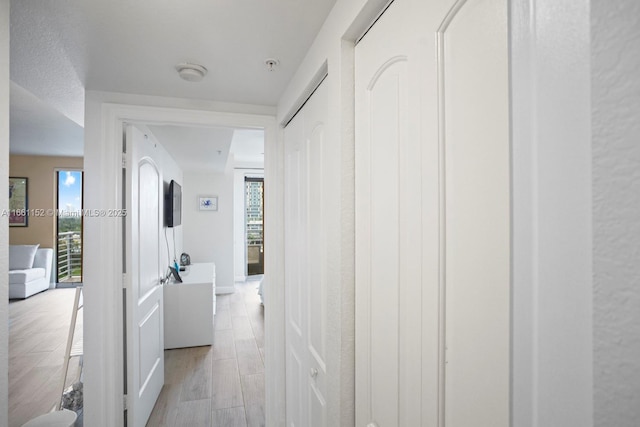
[4,204]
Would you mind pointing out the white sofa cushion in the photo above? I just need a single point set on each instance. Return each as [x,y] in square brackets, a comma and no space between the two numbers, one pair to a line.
[21,256]
[24,276]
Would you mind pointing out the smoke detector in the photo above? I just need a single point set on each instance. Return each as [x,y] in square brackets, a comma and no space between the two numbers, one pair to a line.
[191,72]
[271,63]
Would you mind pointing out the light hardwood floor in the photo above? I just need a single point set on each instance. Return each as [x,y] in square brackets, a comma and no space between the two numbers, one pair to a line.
[220,385]
[38,329]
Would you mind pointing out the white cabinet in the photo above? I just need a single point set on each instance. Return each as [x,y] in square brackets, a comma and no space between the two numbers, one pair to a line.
[189,307]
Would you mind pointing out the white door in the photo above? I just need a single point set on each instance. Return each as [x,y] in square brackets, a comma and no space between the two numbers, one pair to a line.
[306,263]
[432,216]
[144,302]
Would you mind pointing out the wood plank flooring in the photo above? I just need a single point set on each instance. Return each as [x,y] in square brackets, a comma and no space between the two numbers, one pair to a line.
[38,328]
[220,385]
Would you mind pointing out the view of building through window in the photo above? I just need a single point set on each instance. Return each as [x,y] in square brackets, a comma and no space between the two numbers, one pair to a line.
[254,202]
[69,224]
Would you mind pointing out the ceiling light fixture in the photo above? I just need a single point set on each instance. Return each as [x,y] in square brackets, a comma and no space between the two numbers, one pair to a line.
[191,72]
[271,63]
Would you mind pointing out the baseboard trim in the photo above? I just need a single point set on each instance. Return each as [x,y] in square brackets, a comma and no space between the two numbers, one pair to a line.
[69,285]
[222,290]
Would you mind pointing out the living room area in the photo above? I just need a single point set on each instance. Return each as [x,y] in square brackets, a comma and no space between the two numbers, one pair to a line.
[46,199]
[45,267]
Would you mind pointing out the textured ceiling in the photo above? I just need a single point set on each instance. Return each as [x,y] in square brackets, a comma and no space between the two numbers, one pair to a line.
[60,48]
[48,54]
[35,126]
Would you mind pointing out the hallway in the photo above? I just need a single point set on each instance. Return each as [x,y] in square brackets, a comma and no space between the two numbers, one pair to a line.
[220,385]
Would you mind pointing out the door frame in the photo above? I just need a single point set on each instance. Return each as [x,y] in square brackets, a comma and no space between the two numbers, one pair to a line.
[103,369]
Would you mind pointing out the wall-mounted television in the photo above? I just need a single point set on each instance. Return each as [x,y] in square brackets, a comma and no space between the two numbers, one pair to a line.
[173,204]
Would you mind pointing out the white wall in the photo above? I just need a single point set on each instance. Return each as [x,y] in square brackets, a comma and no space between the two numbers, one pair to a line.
[615,26]
[239,228]
[208,235]
[4,204]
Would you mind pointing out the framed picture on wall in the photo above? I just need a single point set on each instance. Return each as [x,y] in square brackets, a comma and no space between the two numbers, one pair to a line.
[18,202]
[208,203]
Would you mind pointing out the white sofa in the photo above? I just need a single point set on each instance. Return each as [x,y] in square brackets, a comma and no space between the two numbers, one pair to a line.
[29,270]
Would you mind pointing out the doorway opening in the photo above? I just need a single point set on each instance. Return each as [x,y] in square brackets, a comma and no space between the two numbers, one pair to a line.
[254,223]
[69,225]
[107,379]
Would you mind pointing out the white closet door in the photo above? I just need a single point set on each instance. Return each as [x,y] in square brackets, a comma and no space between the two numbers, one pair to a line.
[432,216]
[306,263]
